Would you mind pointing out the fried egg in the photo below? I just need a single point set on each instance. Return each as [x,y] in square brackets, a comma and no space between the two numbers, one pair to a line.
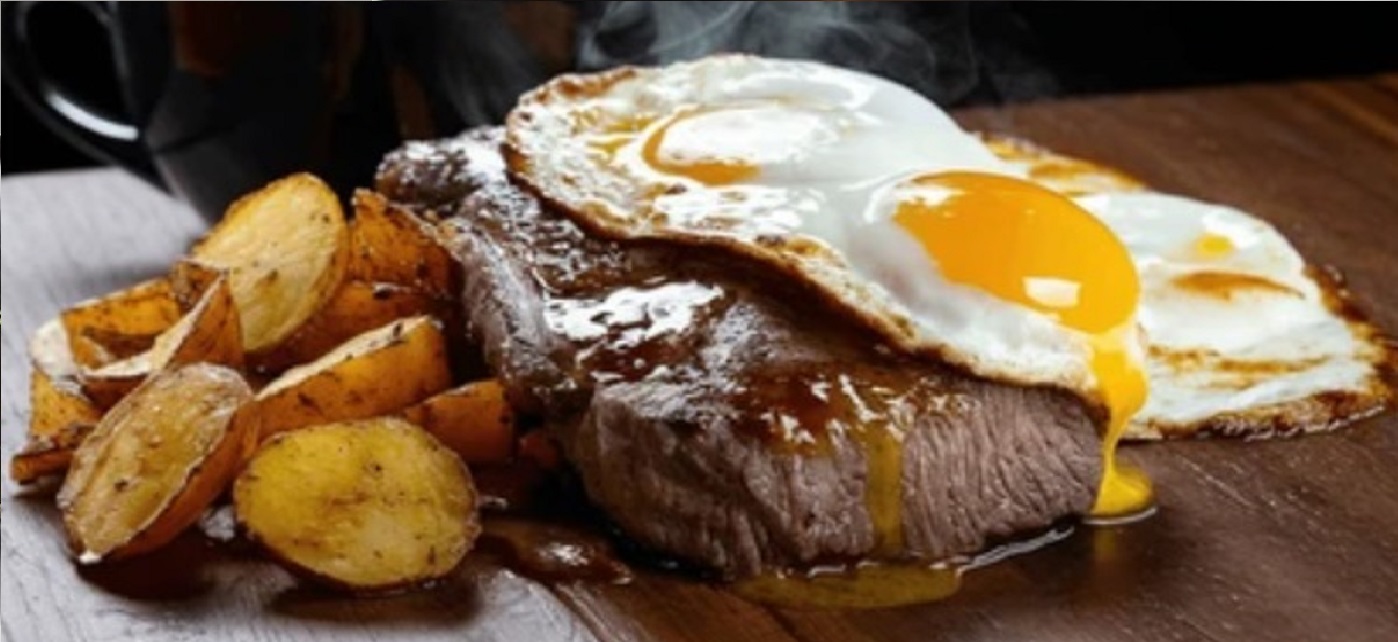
[1015,264]
[834,176]
[1243,336]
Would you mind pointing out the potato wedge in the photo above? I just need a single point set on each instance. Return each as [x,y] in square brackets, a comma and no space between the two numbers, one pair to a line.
[358,307]
[208,333]
[60,415]
[155,462]
[285,247]
[474,420]
[189,279]
[120,324]
[41,457]
[393,245]
[366,506]
[378,372]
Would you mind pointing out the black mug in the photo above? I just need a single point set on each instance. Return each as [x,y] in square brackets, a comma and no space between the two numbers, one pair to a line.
[221,97]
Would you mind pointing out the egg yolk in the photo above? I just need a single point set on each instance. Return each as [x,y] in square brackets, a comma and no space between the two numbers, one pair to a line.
[1031,246]
[1212,246]
[706,166]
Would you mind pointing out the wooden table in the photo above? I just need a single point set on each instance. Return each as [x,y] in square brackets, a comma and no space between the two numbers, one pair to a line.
[1289,540]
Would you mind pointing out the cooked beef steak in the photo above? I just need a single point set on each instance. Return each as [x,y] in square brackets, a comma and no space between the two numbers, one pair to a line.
[726,417]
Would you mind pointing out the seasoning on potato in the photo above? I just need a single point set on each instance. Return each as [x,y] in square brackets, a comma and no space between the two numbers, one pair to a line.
[475,420]
[358,307]
[285,247]
[376,373]
[120,324]
[149,400]
[393,245]
[365,506]
[155,462]
[208,333]
[60,415]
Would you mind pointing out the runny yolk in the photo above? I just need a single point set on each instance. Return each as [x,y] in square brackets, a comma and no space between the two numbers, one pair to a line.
[1031,246]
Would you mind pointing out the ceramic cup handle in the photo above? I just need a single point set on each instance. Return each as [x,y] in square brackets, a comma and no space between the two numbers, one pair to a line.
[99,133]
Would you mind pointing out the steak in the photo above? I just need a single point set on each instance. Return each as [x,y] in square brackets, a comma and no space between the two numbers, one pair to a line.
[728,417]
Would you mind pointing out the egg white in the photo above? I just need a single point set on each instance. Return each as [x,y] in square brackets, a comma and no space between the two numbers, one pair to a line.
[834,148]
[1250,353]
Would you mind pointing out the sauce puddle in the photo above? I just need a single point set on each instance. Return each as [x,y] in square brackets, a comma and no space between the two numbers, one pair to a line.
[550,552]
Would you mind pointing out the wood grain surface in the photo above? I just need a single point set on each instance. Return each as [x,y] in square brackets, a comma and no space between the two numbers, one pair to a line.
[1287,540]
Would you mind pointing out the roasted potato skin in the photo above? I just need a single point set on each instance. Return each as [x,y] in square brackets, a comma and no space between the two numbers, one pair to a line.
[208,333]
[376,373]
[60,414]
[286,248]
[61,417]
[107,391]
[389,481]
[156,461]
[189,279]
[216,332]
[475,420]
[394,245]
[121,324]
[39,459]
[358,307]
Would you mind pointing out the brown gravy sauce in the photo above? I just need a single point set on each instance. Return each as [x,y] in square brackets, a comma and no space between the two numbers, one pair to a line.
[553,552]
[806,412]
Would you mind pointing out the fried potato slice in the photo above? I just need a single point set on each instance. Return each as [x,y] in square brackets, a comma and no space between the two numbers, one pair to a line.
[121,324]
[60,415]
[39,458]
[394,245]
[375,373]
[209,333]
[155,462]
[358,306]
[365,506]
[285,247]
[189,279]
[474,420]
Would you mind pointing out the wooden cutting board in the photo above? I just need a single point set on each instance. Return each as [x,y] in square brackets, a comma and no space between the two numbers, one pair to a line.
[1286,540]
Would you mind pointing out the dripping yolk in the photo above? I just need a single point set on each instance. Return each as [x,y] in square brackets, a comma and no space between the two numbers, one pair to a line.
[1031,246]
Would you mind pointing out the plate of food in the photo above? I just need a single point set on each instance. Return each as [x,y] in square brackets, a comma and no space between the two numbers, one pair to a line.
[735,348]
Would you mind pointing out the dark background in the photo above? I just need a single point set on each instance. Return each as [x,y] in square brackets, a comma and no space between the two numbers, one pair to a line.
[1081,48]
